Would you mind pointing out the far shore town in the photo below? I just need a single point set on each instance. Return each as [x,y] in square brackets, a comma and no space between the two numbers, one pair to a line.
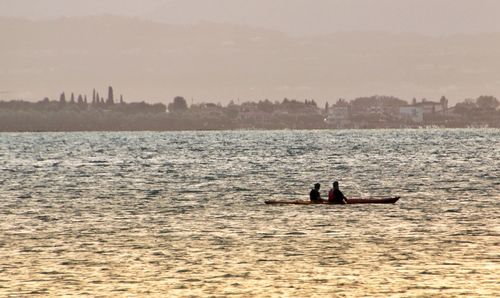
[77,113]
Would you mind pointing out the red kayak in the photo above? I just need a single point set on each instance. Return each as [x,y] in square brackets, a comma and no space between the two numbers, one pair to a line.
[349,201]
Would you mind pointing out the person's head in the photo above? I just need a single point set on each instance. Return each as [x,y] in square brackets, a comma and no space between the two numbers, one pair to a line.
[317,186]
[336,185]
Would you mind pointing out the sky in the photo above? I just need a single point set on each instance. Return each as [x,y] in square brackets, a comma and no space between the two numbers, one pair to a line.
[322,49]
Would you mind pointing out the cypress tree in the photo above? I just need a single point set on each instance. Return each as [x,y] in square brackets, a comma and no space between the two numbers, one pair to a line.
[110,99]
[62,98]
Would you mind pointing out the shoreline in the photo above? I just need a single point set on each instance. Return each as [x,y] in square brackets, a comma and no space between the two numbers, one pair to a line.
[254,129]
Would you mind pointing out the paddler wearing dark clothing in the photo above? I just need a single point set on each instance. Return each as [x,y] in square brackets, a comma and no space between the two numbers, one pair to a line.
[314,195]
[335,196]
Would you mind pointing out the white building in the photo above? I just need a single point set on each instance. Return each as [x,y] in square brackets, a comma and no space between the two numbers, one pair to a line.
[338,116]
[414,114]
[432,107]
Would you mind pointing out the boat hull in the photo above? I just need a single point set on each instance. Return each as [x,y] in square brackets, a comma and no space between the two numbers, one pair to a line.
[391,200]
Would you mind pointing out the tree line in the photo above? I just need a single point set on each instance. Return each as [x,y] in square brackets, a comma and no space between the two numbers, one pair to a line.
[77,113]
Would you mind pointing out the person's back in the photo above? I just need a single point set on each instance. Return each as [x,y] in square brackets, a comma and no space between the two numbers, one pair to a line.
[335,196]
[314,195]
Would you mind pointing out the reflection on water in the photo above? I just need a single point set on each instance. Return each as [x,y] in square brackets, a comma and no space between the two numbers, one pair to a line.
[182,214]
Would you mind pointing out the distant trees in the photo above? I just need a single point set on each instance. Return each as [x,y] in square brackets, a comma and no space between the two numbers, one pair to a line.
[101,114]
[78,102]
[178,105]
[110,100]
[295,106]
[487,102]
[46,115]
[379,101]
[140,108]
[341,102]
[265,106]
[62,98]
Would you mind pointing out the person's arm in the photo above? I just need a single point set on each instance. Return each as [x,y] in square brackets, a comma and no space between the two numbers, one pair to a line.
[344,199]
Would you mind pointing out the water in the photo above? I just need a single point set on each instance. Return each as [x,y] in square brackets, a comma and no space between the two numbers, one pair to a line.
[182,214]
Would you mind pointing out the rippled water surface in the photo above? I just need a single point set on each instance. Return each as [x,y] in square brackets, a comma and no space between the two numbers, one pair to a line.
[182,214]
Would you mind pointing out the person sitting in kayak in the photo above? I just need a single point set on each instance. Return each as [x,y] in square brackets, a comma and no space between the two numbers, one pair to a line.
[335,196]
[314,195]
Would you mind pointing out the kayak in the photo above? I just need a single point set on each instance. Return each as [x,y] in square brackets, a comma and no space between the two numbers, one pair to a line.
[391,200]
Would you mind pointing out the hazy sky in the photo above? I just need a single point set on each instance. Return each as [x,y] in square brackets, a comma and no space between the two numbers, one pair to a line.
[434,17]
[157,61]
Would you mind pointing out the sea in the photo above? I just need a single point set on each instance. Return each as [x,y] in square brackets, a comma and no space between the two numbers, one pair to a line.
[182,214]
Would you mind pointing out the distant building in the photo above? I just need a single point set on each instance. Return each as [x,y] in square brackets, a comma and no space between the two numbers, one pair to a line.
[376,107]
[432,107]
[338,116]
[207,110]
[412,113]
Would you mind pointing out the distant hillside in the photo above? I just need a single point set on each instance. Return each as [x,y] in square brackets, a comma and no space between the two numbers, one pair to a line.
[297,17]
[215,62]
[304,17]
